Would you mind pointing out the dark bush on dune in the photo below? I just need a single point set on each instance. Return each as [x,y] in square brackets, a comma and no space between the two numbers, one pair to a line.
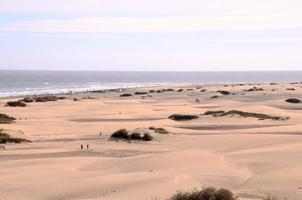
[293,100]
[214,97]
[208,193]
[147,137]
[158,130]
[121,134]
[18,103]
[178,117]
[46,98]
[124,134]
[151,91]
[253,89]
[180,90]
[5,138]
[291,89]
[135,136]
[224,92]
[259,116]
[5,119]
[140,93]
[28,99]
[126,95]
[203,90]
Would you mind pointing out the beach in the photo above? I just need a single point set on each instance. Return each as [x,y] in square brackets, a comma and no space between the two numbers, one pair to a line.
[249,154]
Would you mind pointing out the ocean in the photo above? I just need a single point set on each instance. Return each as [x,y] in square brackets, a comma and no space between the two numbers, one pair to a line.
[15,83]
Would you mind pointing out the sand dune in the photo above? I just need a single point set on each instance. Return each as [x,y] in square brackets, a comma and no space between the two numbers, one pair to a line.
[251,157]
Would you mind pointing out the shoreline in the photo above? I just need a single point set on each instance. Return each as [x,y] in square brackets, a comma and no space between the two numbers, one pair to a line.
[142,87]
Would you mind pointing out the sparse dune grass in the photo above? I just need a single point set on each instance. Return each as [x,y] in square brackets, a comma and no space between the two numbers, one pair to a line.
[5,119]
[6,138]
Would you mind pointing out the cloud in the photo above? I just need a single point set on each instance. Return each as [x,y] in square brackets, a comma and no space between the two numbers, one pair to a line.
[161,24]
[222,7]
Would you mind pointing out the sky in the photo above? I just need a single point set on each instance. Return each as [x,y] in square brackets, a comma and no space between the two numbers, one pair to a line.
[149,35]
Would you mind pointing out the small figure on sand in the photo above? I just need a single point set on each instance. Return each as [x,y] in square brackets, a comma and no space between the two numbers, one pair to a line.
[81,147]
[100,132]
[87,147]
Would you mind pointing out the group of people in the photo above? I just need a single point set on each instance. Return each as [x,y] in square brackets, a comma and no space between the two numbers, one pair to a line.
[82,147]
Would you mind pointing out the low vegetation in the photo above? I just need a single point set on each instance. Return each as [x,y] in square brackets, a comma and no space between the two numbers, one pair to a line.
[259,116]
[207,193]
[126,135]
[5,119]
[140,93]
[253,89]
[179,117]
[293,100]
[224,92]
[5,138]
[158,130]
[126,95]
[18,103]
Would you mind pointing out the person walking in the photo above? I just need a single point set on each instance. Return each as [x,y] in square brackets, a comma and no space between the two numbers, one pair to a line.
[87,147]
[81,147]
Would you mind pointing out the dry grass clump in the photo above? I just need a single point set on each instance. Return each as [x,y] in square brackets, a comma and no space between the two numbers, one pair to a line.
[158,130]
[179,117]
[207,193]
[5,119]
[259,116]
[5,138]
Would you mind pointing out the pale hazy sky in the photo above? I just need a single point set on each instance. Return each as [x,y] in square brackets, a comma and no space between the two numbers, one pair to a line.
[151,34]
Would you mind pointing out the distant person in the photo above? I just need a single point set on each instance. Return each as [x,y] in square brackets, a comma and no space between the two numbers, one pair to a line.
[81,147]
[100,132]
[87,147]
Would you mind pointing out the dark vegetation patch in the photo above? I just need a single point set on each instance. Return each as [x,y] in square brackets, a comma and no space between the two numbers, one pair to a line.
[253,89]
[140,93]
[293,100]
[203,90]
[158,130]
[291,89]
[224,92]
[124,134]
[179,117]
[259,116]
[180,90]
[207,193]
[6,138]
[5,119]
[46,98]
[214,97]
[18,103]
[126,95]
